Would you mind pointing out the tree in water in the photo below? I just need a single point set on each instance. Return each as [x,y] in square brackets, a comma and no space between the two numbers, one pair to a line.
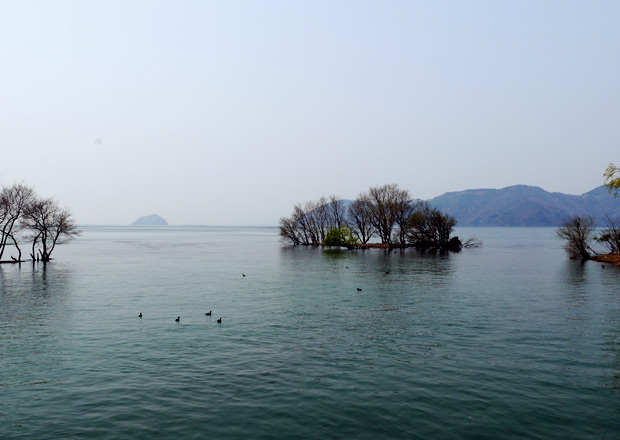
[610,235]
[359,218]
[391,207]
[49,225]
[337,212]
[290,231]
[13,201]
[310,221]
[577,232]
[429,228]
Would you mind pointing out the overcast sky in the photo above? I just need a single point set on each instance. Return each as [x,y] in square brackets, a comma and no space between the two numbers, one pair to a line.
[230,112]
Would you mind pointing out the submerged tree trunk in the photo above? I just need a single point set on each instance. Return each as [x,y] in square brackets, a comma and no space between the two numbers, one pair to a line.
[19,251]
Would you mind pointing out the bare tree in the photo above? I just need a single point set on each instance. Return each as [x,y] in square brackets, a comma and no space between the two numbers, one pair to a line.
[290,231]
[472,242]
[383,200]
[610,236]
[337,212]
[309,223]
[13,202]
[359,218]
[577,231]
[50,226]
[318,214]
[301,222]
[429,228]
[403,207]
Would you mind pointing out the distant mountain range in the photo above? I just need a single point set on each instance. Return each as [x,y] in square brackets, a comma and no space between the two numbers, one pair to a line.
[523,205]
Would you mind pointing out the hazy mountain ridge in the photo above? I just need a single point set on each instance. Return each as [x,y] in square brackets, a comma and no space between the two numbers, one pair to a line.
[522,205]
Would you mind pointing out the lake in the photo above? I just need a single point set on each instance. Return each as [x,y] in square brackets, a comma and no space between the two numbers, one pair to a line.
[508,341]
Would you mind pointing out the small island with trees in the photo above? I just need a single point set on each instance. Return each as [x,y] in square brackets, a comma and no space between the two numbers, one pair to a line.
[580,232]
[26,218]
[386,212]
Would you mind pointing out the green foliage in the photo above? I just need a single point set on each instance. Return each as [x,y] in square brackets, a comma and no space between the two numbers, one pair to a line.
[339,237]
[612,179]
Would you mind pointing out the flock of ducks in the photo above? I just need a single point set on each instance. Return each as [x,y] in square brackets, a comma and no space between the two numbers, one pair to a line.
[209,313]
[219,320]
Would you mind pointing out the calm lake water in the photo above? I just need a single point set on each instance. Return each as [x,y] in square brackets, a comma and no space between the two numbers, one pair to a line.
[508,341]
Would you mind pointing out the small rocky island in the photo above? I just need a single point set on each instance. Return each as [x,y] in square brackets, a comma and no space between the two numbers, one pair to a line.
[150,220]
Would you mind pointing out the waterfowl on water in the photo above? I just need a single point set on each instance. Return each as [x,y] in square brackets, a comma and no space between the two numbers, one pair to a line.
[208,313]
[219,321]
[359,290]
[140,315]
[243,274]
[178,319]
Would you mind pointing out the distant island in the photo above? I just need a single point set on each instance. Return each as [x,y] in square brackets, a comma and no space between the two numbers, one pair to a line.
[387,213]
[150,220]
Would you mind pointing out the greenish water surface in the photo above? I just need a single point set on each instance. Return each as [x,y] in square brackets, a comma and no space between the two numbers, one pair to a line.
[508,341]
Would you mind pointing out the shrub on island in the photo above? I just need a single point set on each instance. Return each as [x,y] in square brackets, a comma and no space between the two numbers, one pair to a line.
[339,237]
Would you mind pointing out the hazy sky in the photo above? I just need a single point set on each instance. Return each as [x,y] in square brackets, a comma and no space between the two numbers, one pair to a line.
[230,112]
